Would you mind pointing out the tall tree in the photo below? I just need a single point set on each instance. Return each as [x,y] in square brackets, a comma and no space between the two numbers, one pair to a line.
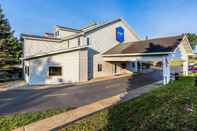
[192,39]
[10,47]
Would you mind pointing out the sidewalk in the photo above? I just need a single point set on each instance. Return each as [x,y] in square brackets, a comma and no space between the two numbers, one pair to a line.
[73,115]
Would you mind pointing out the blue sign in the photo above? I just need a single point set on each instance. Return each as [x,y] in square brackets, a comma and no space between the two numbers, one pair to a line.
[120,34]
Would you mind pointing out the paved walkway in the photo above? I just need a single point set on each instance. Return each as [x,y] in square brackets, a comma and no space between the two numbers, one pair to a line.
[22,100]
[73,115]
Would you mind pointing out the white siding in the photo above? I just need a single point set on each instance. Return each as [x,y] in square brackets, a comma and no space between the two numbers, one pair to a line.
[83,65]
[179,54]
[72,63]
[63,33]
[70,69]
[34,47]
[103,40]
[73,43]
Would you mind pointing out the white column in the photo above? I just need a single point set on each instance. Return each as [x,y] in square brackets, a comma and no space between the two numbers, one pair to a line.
[136,67]
[185,67]
[166,70]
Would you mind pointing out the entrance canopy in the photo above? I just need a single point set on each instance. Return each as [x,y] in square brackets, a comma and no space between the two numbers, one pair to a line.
[160,49]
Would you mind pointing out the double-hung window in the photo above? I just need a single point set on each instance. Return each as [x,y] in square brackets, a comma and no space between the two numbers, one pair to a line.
[88,40]
[79,42]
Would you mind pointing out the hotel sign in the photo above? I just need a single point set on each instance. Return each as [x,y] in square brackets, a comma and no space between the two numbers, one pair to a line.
[120,34]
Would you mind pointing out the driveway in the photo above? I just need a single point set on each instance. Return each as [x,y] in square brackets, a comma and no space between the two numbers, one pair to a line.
[30,100]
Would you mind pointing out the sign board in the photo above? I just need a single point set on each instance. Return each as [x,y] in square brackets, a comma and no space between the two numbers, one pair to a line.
[120,34]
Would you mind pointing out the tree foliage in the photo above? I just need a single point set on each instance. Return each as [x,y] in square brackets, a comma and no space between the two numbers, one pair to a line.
[10,47]
[192,39]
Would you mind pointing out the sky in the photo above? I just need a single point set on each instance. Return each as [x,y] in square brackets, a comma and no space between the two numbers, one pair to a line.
[152,18]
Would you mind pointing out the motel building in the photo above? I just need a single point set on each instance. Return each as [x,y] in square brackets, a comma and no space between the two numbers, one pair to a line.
[70,55]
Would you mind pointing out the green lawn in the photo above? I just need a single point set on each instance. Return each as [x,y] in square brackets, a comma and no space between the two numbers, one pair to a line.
[170,108]
[9,122]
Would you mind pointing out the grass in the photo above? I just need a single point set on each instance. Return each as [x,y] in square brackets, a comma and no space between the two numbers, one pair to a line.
[9,122]
[170,108]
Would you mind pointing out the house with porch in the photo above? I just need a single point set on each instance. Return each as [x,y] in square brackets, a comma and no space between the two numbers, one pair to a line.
[70,55]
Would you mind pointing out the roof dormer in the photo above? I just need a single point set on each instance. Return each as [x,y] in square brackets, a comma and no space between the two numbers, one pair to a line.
[61,32]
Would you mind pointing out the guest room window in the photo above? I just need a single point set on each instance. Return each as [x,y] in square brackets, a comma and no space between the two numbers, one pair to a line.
[79,42]
[55,71]
[99,67]
[88,40]
[133,64]
[57,33]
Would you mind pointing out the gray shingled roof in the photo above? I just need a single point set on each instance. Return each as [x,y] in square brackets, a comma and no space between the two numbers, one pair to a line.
[167,44]
[68,28]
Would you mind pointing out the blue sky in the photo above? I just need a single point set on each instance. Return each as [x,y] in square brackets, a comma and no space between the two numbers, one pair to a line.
[151,18]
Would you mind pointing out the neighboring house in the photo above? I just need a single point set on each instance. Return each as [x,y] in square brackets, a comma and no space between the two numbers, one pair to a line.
[76,55]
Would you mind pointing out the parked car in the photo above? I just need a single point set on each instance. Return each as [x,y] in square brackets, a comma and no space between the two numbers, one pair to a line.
[194,70]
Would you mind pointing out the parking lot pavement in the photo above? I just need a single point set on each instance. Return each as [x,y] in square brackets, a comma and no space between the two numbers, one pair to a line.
[22,100]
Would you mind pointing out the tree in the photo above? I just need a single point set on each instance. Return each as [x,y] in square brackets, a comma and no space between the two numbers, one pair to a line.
[192,39]
[10,47]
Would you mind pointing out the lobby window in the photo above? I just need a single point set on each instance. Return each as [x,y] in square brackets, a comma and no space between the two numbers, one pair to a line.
[100,67]
[133,64]
[27,70]
[79,42]
[88,40]
[55,71]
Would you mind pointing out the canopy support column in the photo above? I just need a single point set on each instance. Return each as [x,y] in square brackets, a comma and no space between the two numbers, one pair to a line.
[136,66]
[166,70]
[185,67]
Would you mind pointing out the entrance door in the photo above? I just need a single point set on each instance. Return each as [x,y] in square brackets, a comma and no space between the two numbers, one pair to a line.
[138,66]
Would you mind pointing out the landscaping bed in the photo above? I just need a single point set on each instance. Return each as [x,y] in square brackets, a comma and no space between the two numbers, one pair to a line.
[9,122]
[170,108]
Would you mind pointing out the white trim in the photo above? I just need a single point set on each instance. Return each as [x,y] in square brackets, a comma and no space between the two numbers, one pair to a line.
[55,52]
[41,39]
[184,38]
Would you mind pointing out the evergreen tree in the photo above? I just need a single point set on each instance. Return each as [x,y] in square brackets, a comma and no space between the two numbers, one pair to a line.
[192,39]
[10,51]
[10,48]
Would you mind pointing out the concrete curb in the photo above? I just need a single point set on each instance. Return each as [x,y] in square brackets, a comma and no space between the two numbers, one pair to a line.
[68,85]
[78,113]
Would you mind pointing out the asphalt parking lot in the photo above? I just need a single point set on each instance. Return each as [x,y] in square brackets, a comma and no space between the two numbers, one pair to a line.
[22,100]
